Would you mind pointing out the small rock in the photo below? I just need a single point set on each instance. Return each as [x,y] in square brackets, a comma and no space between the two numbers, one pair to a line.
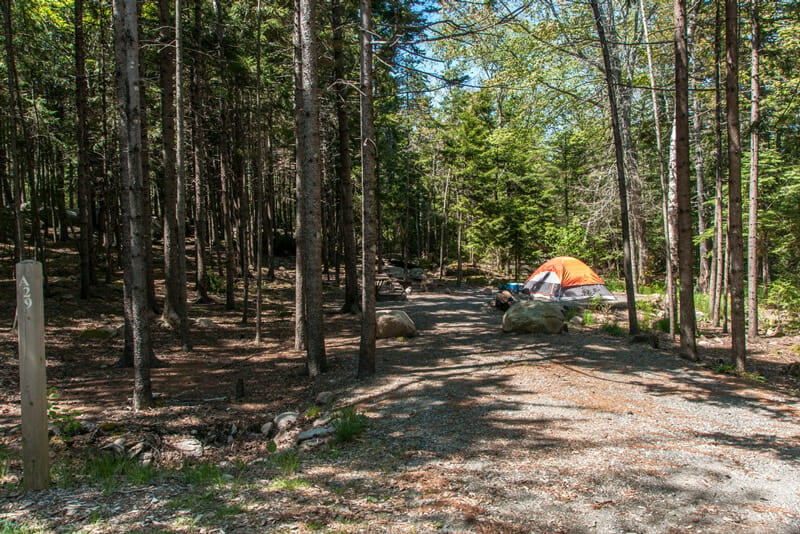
[204,322]
[314,433]
[266,428]
[116,447]
[324,398]
[322,421]
[190,447]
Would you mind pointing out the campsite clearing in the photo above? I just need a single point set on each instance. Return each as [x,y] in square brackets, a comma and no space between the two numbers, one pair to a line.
[469,430]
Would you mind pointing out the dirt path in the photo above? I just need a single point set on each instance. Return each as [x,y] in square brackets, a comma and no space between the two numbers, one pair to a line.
[470,431]
[579,432]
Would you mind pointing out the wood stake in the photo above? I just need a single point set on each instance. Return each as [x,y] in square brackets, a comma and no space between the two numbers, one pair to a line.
[33,381]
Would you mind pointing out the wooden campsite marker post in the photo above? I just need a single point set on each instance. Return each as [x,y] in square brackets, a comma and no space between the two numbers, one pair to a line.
[32,377]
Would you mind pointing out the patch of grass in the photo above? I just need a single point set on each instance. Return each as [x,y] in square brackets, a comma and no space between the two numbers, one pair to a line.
[662,325]
[349,424]
[228,510]
[312,412]
[315,525]
[287,461]
[588,317]
[64,418]
[5,460]
[290,484]
[111,471]
[613,329]
[8,526]
[203,474]
[728,369]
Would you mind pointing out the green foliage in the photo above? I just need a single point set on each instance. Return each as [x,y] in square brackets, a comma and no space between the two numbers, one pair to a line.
[588,317]
[785,294]
[662,325]
[349,424]
[216,284]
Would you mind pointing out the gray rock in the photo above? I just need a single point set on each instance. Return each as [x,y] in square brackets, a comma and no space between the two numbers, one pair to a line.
[395,323]
[324,398]
[266,428]
[315,433]
[190,447]
[286,420]
[204,322]
[534,317]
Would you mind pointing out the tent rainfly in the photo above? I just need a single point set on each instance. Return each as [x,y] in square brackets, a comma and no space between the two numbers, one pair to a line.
[567,280]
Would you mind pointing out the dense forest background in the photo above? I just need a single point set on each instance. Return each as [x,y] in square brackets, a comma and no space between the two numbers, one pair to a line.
[492,140]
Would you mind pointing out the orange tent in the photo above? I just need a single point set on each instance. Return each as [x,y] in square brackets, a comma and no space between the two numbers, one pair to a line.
[566,279]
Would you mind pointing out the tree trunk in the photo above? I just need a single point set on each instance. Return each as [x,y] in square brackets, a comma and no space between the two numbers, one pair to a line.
[180,211]
[132,187]
[736,259]
[612,81]
[717,263]
[310,205]
[663,178]
[699,157]
[199,162]
[300,321]
[174,311]
[688,348]
[84,183]
[259,181]
[752,222]
[14,151]
[366,352]
[344,167]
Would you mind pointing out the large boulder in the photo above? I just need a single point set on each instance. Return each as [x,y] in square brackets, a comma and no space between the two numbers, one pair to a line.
[395,323]
[534,317]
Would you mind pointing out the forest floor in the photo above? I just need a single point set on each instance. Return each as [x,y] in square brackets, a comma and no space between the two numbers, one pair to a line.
[468,429]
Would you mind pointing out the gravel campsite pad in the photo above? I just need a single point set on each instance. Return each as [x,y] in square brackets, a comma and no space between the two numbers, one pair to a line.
[473,430]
